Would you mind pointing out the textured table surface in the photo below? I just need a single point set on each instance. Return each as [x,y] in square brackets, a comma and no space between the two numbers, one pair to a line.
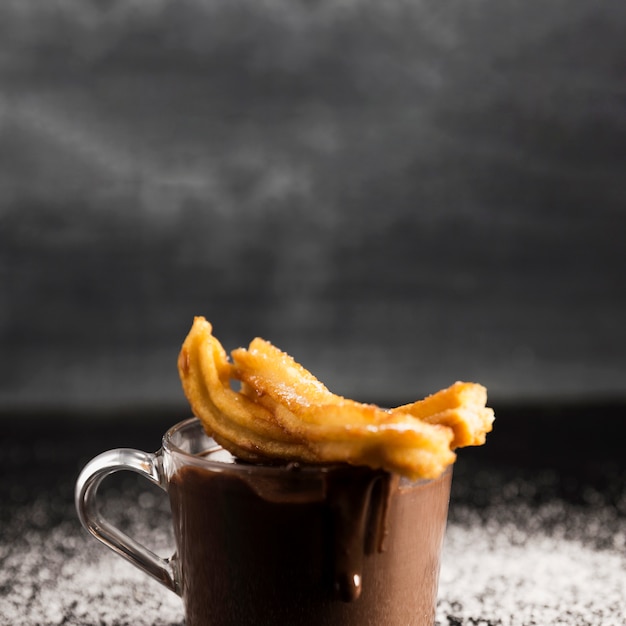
[537,529]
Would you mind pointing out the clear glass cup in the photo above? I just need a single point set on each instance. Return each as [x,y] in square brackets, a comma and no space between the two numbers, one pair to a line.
[290,544]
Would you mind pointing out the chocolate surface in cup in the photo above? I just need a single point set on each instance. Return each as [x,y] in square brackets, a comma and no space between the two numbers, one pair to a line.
[345,546]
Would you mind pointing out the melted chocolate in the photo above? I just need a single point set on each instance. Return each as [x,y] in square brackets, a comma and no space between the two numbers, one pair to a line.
[353,548]
[356,500]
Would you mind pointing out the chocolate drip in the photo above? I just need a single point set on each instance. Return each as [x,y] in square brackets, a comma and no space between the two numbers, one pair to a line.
[359,501]
[384,487]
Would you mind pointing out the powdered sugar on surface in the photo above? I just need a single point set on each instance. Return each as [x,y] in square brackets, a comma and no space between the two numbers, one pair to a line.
[507,563]
[551,565]
[61,575]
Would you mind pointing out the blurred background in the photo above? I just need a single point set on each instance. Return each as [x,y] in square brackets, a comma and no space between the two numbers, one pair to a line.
[400,194]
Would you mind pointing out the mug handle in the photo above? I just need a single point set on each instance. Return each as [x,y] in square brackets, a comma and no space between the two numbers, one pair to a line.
[148,465]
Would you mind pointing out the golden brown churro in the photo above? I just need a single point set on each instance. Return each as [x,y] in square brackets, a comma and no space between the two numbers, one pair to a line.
[283,413]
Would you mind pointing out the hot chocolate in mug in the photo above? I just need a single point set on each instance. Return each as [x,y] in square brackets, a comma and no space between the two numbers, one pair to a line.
[267,545]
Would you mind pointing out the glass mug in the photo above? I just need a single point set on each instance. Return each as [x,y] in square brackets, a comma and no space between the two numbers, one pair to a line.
[275,545]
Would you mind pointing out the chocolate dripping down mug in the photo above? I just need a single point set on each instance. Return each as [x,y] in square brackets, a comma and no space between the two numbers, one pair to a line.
[276,545]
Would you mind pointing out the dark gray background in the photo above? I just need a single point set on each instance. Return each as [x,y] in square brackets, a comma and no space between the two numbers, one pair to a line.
[399,193]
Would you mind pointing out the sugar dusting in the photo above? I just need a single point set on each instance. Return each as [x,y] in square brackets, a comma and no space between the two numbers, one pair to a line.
[507,563]
[518,565]
[61,575]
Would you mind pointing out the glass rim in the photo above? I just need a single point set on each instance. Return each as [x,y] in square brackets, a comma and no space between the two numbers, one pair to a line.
[292,469]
